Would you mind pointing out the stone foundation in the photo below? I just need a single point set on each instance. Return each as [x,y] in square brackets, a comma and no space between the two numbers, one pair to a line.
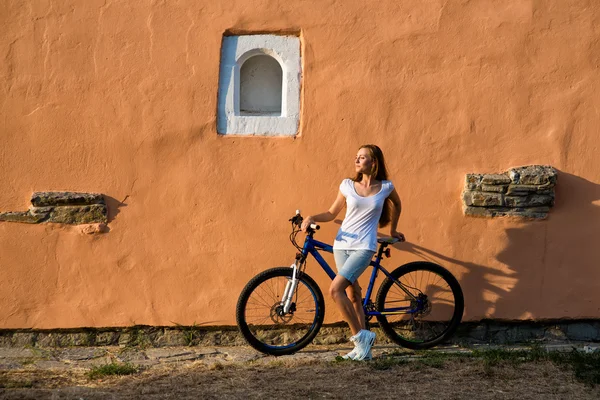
[487,331]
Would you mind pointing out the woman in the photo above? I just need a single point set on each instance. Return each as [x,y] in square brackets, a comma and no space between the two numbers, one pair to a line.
[368,198]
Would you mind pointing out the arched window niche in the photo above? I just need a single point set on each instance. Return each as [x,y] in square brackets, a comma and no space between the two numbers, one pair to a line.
[259,85]
[261,79]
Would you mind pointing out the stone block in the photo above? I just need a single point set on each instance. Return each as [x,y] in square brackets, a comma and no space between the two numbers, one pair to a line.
[527,333]
[46,340]
[483,199]
[582,331]
[124,339]
[5,340]
[44,199]
[21,216]
[175,337]
[478,332]
[40,211]
[75,215]
[524,190]
[494,188]
[332,339]
[555,333]
[229,338]
[106,338]
[473,181]
[533,175]
[529,201]
[135,337]
[495,179]
[22,339]
[211,338]
[501,337]
[72,339]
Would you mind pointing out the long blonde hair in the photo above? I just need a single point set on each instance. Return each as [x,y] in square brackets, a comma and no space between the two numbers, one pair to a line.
[379,172]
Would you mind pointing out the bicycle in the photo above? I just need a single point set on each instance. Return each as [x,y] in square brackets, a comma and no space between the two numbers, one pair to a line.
[281,310]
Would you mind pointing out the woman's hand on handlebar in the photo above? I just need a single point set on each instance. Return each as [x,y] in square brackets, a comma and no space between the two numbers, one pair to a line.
[398,235]
[306,223]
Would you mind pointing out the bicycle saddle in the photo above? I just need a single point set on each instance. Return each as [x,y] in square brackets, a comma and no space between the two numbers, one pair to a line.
[388,240]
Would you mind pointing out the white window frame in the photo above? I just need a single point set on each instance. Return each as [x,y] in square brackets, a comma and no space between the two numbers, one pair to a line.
[235,51]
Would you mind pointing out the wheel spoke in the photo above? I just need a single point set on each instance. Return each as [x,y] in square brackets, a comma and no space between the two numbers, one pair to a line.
[432,316]
[263,322]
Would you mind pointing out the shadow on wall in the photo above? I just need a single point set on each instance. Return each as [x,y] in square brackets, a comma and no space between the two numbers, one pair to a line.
[566,282]
[113,205]
[553,265]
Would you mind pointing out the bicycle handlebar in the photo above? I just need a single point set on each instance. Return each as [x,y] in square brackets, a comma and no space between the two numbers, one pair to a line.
[297,220]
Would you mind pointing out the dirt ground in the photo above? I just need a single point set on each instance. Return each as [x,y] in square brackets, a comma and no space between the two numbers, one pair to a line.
[446,379]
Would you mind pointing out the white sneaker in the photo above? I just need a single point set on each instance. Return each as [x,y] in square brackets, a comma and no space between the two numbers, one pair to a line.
[364,341]
[368,357]
[352,354]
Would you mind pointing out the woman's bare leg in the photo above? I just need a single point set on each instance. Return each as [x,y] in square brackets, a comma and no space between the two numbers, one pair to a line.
[354,293]
[338,294]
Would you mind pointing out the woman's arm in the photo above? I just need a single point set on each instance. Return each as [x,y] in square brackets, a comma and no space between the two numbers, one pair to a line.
[327,216]
[397,209]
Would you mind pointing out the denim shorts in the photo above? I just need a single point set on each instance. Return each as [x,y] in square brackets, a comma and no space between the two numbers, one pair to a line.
[352,263]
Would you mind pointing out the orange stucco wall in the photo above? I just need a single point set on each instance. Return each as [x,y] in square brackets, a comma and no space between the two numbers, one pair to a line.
[120,98]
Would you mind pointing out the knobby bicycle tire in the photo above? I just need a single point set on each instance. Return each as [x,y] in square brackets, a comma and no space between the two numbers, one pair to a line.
[405,331]
[273,338]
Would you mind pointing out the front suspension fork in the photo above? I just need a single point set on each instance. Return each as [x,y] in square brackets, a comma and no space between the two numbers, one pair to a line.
[290,289]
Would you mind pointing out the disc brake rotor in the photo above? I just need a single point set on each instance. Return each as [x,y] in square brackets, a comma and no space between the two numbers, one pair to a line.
[277,315]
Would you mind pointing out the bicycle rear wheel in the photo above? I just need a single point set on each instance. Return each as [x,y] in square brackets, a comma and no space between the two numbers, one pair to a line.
[260,316]
[426,317]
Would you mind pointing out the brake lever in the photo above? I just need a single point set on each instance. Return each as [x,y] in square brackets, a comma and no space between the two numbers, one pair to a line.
[297,219]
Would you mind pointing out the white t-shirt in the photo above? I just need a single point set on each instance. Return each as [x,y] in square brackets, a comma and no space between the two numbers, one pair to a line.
[359,228]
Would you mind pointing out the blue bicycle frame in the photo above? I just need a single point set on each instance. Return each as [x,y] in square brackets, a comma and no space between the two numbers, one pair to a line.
[312,246]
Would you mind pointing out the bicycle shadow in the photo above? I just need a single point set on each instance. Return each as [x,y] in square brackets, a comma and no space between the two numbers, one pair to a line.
[476,281]
[556,260]
[537,281]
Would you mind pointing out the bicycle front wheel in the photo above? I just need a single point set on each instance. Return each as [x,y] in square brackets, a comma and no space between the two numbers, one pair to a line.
[421,307]
[261,319]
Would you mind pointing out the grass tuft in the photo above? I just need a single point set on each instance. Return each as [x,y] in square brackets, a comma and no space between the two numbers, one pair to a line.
[585,366]
[434,360]
[6,383]
[382,364]
[112,369]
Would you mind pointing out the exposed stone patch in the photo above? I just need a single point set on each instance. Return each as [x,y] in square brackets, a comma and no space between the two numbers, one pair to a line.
[52,199]
[22,216]
[69,208]
[91,229]
[526,192]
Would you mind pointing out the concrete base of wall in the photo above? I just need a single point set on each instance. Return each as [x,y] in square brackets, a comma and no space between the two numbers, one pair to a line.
[486,331]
